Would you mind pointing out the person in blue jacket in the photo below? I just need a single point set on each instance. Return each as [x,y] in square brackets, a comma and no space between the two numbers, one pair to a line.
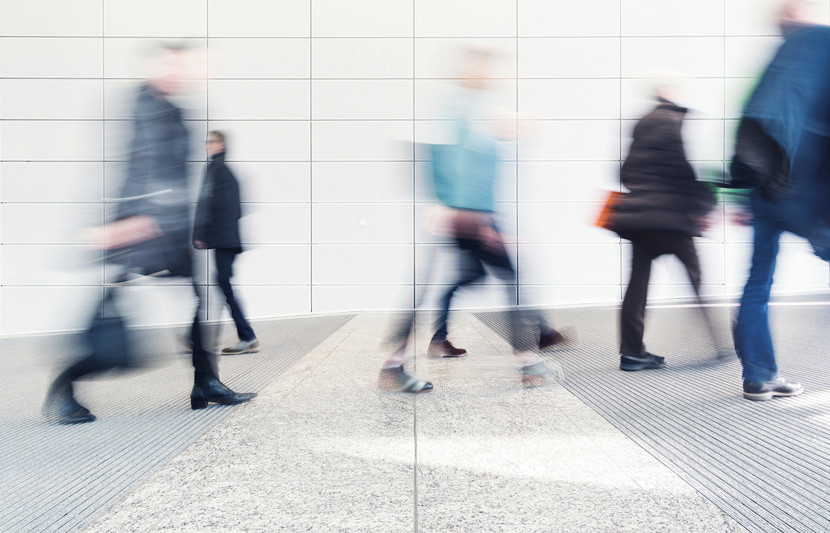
[782,156]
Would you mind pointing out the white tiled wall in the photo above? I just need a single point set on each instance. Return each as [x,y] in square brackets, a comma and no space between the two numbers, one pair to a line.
[321,100]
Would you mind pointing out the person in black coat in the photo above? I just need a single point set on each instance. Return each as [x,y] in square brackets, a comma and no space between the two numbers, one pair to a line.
[150,234]
[665,208]
[217,228]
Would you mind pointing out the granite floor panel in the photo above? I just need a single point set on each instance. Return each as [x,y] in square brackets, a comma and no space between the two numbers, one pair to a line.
[323,449]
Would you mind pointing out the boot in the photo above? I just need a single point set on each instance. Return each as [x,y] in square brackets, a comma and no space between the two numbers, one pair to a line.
[214,391]
[62,407]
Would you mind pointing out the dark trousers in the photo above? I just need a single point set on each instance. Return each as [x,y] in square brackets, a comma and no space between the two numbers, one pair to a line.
[474,255]
[224,272]
[648,246]
[204,360]
[204,363]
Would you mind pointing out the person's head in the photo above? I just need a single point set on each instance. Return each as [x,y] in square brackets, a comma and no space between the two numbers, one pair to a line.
[475,68]
[215,143]
[799,12]
[666,85]
[168,66]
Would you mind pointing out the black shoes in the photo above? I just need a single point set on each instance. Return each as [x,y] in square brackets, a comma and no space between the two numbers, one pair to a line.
[214,391]
[767,390]
[630,363]
[445,349]
[62,407]
[548,340]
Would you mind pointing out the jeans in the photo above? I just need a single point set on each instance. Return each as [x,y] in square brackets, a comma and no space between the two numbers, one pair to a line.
[800,211]
[753,340]
[473,256]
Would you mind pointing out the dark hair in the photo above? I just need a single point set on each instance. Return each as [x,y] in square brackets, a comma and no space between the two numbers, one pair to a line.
[218,134]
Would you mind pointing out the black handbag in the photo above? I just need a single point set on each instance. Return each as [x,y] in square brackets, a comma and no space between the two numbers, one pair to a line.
[107,337]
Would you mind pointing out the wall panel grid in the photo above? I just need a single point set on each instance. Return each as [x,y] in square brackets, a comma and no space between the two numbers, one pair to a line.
[327,104]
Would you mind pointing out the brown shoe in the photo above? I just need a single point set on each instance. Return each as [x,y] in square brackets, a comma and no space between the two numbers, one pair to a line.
[445,349]
[557,339]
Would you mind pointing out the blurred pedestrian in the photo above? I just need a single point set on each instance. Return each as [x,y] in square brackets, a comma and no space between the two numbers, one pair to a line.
[782,156]
[661,214]
[151,232]
[216,228]
[465,182]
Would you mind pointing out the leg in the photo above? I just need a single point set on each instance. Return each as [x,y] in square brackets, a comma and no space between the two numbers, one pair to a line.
[753,340]
[224,271]
[632,314]
[206,385]
[684,250]
[203,359]
[61,405]
[470,269]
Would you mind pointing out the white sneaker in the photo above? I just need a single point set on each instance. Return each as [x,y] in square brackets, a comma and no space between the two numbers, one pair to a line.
[241,347]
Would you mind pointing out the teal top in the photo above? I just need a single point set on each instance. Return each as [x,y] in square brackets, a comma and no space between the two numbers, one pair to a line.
[465,172]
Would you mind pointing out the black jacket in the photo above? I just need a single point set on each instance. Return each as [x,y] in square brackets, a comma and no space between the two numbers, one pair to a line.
[664,193]
[157,186]
[218,211]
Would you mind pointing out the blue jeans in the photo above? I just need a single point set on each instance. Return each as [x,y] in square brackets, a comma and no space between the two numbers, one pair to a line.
[753,341]
[799,211]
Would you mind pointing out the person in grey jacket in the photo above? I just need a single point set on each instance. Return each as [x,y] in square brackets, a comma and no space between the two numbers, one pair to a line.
[151,231]
[217,228]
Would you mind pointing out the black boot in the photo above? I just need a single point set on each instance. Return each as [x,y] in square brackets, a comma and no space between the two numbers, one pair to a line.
[214,391]
[631,363]
[62,407]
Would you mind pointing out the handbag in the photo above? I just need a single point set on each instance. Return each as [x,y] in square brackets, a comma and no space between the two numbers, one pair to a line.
[107,338]
[606,215]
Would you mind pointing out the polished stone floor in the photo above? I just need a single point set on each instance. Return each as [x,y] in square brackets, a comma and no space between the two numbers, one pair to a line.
[323,449]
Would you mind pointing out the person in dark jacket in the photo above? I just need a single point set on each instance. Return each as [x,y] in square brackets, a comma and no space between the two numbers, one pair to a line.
[217,228]
[151,231]
[782,155]
[663,211]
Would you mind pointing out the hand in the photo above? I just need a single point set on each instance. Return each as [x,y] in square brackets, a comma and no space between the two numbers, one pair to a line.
[741,217]
[491,239]
[704,223]
[199,245]
[124,232]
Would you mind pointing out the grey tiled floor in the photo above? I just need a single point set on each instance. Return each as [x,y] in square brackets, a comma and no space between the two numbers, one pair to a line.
[323,449]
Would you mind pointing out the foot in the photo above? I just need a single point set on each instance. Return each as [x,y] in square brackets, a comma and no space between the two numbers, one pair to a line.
[214,391]
[535,374]
[767,390]
[555,339]
[630,363]
[251,346]
[397,379]
[445,349]
[63,408]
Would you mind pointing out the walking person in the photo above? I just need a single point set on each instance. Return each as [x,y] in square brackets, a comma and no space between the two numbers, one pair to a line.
[465,174]
[216,228]
[151,232]
[663,212]
[782,156]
